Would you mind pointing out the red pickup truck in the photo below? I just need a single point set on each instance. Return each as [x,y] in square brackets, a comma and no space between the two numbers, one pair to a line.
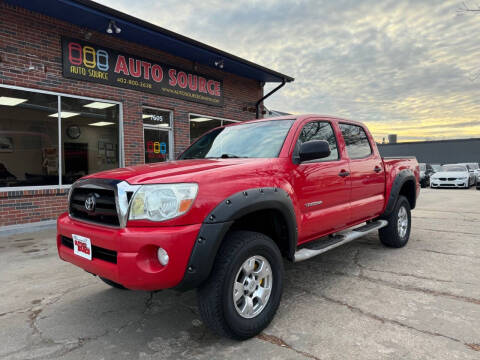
[239,200]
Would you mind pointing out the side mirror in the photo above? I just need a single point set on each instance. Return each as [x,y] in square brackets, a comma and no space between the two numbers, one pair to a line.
[314,149]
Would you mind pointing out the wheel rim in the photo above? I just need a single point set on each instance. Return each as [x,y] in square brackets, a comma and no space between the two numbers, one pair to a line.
[402,222]
[252,286]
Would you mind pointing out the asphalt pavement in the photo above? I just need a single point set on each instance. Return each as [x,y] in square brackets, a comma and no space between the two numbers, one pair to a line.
[359,301]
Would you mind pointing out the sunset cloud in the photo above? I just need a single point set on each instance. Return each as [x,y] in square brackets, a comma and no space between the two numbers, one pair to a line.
[405,67]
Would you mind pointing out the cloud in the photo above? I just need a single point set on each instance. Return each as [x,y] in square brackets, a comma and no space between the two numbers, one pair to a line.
[402,67]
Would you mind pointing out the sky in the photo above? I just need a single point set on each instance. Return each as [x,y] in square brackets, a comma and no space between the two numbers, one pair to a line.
[408,67]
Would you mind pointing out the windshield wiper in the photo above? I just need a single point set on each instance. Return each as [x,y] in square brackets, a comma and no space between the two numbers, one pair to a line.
[226,156]
[229,156]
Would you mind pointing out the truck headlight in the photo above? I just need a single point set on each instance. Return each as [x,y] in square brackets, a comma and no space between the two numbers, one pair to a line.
[162,202]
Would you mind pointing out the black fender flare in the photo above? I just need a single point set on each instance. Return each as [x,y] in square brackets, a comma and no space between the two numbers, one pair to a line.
[401,178]
[221,218]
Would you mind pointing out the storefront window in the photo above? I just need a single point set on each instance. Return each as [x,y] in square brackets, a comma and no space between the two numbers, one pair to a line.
[201,124]
[29,138]
[157,132]
[89,137]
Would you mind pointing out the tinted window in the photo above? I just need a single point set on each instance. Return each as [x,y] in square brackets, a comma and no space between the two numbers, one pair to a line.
[356,139]
[319,130]
[262,139]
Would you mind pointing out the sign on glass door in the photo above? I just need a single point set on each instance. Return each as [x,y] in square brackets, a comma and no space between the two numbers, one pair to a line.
[157,134]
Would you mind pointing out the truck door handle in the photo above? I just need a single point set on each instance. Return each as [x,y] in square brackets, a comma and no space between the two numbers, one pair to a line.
[377,169]
[343,173]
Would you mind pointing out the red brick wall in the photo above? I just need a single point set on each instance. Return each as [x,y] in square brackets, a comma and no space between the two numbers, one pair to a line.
[18,207]
[27,37]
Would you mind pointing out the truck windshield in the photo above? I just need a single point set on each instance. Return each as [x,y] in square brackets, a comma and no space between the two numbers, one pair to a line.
[262,139]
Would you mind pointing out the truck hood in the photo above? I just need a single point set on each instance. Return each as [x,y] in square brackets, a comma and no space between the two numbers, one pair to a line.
[174,171]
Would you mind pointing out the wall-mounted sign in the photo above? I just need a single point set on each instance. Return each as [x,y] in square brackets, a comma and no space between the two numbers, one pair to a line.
[86,61]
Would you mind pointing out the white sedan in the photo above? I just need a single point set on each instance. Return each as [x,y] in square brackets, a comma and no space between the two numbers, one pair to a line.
[452,176]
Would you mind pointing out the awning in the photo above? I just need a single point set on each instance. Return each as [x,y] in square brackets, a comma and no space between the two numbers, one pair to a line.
[89,14]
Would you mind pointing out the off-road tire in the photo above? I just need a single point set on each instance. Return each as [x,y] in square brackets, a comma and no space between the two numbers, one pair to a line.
[113,284]
[389,235]
[215,299]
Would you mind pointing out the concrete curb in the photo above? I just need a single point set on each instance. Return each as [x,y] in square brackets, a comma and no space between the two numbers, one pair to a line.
[27,228]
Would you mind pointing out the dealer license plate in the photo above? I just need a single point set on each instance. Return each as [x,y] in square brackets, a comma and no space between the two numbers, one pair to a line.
[82,246]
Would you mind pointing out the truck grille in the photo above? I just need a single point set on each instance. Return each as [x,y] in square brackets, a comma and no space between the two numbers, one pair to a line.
[104,210]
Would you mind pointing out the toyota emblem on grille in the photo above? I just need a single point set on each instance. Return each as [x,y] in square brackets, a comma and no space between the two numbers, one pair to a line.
[90,202]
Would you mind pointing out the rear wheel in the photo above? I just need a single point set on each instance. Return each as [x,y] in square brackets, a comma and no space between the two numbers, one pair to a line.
[243,292]
[397,232]
[113,284]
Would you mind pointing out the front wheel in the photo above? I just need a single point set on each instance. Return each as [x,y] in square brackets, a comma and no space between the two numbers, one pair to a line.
[397,232]
[244,289]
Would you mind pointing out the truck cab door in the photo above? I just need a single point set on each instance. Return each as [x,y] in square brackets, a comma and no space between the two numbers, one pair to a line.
[322,186]
[367,173]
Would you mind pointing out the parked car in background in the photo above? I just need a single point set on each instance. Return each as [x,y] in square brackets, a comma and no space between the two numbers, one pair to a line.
[473,175]
[426,171]
[474,169]
[452,176]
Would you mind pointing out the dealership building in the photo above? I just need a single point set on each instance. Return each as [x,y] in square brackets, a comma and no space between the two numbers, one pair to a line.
[85,88]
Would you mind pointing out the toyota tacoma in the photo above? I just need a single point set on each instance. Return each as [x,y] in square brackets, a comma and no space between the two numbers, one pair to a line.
[242,198]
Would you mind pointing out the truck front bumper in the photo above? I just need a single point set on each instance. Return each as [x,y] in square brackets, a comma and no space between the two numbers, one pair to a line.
[128,256]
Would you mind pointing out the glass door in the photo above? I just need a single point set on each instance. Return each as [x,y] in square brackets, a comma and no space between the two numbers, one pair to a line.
[157,135]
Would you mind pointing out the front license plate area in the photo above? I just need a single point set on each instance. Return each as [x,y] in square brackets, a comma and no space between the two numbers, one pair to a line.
[82,246]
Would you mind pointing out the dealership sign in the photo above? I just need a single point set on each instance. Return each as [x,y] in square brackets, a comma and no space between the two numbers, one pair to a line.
[85,61]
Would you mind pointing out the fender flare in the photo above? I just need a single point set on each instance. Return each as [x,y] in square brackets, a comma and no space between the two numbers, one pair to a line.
[401,178]
[218,222]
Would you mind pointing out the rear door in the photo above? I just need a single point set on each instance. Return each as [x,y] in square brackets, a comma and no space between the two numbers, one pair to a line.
[367,173]
[322,189]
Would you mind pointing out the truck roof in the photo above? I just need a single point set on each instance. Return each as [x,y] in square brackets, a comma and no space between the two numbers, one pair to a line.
[299,118]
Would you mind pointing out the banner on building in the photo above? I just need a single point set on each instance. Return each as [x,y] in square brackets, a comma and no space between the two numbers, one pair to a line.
[86,61]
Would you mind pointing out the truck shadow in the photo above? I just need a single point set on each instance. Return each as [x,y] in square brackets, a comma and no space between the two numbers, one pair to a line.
[168,322]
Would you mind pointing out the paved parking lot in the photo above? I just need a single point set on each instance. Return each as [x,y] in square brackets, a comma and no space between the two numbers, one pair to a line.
[360,301]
